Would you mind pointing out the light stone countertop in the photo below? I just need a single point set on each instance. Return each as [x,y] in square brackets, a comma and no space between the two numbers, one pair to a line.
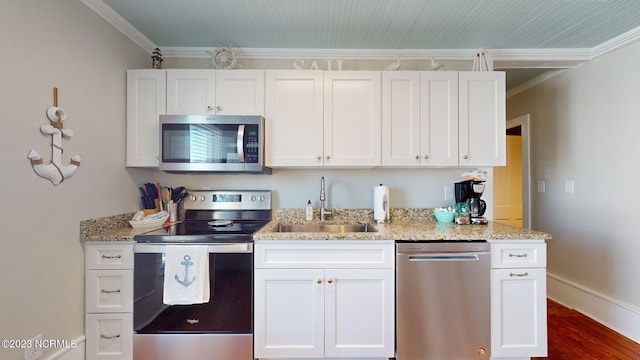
[406,224]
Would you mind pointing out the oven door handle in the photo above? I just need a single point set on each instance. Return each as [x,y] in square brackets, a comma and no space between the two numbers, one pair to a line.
[239,248]
[240,143]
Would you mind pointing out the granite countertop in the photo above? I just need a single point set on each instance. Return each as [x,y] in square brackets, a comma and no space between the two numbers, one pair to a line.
[406,224]
[406,229]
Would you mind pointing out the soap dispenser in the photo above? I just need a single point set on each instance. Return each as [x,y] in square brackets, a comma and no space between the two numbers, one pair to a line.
[309,211]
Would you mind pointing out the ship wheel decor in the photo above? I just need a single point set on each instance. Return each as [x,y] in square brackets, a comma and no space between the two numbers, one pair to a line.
[223,58]
[55,171]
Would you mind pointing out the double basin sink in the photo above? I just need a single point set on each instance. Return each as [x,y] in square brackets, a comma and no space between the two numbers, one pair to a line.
[326,228]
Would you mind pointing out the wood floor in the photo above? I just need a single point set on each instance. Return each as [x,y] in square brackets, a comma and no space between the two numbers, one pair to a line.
[574,336]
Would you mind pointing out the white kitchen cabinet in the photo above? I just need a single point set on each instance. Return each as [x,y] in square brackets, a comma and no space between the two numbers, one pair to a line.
[323,118]
[352,118]
[518,300]
[109,301]
[294,118]
[215,92]
[322,300]
[482,118]
[146,100]
[419,118]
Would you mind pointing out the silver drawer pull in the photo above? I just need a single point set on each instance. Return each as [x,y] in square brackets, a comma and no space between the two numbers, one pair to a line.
[109,291]
[524,274]
[518,255]
[192,321]
[111,256]
[109,337]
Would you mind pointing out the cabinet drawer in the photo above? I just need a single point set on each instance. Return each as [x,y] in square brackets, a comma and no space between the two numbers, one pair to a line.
[518,255]
[109,336]
[109,291]
[322,254]
[117,256]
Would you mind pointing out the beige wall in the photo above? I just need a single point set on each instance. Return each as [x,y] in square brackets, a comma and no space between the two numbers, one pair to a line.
[585,127]
[63,44]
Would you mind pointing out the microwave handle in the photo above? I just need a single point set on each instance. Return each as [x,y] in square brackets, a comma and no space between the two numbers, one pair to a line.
[240,143]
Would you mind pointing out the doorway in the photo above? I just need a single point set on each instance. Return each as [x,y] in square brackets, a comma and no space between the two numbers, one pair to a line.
[512,183]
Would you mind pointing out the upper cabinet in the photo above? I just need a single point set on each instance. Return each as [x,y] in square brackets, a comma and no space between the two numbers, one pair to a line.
[352,118]
[334,118]
[294,118]
[482,119]
[145,102]
[323,118]
[419,118]
[215,92]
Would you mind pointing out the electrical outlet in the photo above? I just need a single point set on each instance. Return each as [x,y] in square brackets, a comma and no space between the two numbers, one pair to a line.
[35,351]
[448,193]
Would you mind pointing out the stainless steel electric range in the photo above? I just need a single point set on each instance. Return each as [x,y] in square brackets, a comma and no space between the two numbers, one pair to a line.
[222,328]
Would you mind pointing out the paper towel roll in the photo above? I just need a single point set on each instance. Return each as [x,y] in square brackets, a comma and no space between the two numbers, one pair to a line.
[380,203]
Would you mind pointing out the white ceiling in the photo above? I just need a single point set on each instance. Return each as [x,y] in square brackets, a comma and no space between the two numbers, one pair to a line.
[523,34]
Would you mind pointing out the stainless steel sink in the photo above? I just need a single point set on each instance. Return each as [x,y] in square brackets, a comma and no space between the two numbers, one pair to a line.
[330,228]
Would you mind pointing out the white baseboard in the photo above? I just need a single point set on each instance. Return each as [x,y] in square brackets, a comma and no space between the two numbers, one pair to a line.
[70,353]
[610,312]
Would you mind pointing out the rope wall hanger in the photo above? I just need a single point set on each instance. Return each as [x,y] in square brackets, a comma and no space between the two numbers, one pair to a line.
[55,171]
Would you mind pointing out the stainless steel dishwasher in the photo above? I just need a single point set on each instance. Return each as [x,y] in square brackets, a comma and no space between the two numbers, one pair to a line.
[443,300]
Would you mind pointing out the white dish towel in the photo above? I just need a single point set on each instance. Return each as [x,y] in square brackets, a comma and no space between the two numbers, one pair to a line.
[186,275]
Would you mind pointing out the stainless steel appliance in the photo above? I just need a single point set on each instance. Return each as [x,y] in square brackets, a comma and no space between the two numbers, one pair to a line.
[470,191]
[202,143]
[442,300]
[222,328]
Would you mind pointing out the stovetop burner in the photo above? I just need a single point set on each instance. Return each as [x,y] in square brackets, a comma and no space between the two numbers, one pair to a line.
[216,217]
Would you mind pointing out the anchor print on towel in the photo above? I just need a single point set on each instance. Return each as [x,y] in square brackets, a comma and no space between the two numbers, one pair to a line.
[185,282]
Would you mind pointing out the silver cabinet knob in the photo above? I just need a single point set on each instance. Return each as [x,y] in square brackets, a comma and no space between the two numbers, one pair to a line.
[426,157]
[417,157]
[209,107]
[219,107]
[319,157]
[466,157]
[328,157]
[319,281]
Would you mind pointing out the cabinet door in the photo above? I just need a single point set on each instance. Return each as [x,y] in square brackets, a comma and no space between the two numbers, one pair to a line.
[239,92]
[401,118]
[145,102]
[288,315]
[482,119]
[191,92]
[439,118]
[352,121]
[109,336]
[518,313]
[359,313]
[294,118]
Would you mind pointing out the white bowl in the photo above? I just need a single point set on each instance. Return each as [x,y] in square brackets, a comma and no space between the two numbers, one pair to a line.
[153,220]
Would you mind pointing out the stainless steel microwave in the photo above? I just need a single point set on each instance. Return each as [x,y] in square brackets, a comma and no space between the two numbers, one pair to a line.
[212,144]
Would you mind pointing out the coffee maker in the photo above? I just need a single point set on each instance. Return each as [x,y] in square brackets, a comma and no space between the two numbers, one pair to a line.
[470,191]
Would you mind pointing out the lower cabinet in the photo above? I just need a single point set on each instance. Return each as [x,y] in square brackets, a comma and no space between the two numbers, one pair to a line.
[109,301]
[518,300]
[331,300]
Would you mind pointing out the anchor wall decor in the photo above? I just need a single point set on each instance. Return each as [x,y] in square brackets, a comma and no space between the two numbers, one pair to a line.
[55,171]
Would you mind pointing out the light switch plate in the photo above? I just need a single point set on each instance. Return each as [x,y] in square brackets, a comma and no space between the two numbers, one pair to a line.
[541,186]
[569,186]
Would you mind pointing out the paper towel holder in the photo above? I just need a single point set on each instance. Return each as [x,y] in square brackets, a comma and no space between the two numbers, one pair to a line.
[385,209]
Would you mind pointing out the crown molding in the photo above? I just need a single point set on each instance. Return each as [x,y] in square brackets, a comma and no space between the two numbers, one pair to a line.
[113,18]
[616,43]
[533,82]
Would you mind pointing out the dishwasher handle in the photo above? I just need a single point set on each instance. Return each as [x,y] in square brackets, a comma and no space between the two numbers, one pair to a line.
[460,256]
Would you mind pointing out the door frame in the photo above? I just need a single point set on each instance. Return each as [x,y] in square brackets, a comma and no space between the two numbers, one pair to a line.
[523,122]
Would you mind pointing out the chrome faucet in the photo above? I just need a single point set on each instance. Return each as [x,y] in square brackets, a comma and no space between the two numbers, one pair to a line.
[323,211]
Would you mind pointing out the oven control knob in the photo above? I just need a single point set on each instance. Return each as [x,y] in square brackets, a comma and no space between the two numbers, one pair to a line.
[261,198]
[193,198]
[253,198]
[202,198]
